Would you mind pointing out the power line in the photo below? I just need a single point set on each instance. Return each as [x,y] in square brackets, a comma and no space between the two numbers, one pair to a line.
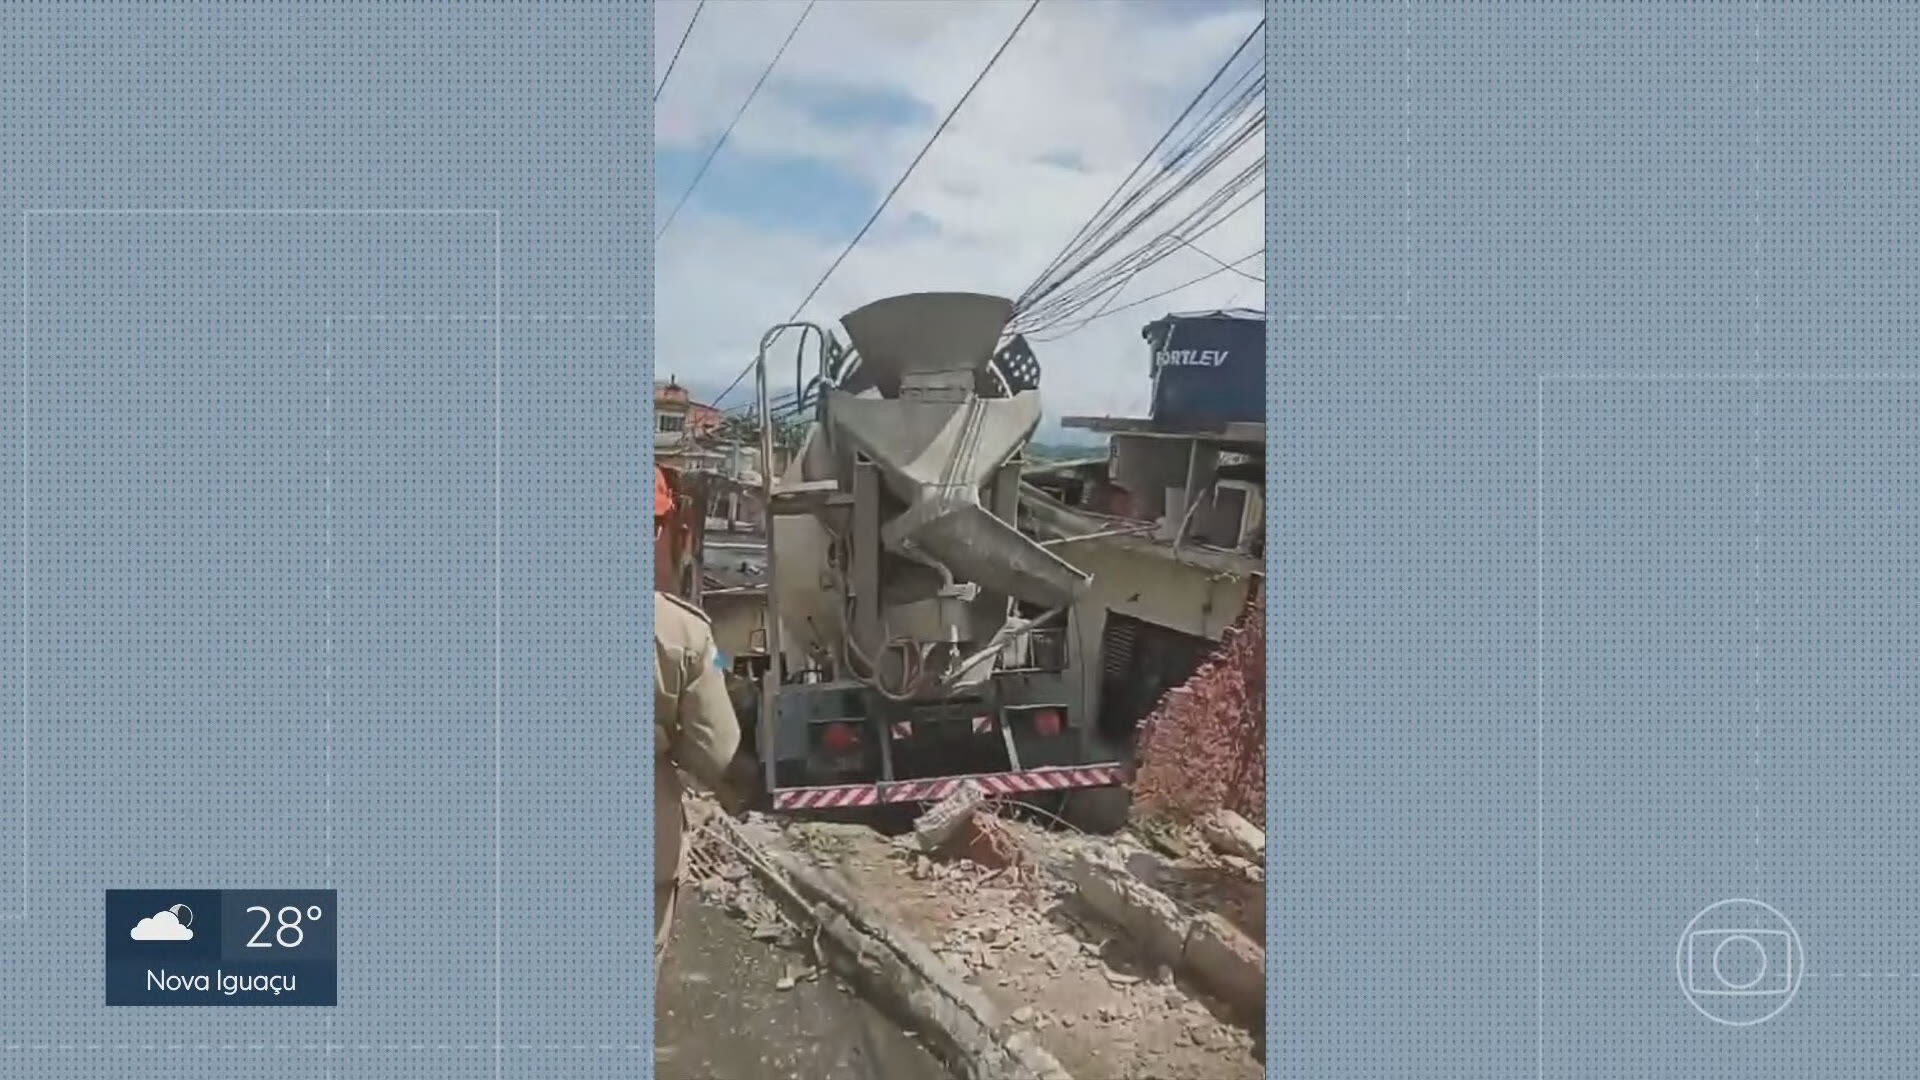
[751,94]
[1223,268]
[1113,289]
[1155,296]
[1071,287]
[1062,305]
[786,404]
[1090,224]
[1083,288]
[684,35]
[731,385]
[915,163]
[1215,259]
[1111,280]
[898,184]
[1093,224]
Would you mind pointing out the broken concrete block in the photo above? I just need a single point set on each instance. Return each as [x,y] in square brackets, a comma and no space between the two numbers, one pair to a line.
[1148,917]
[984,841]
[937,826]
[1228,963]
[1232,834]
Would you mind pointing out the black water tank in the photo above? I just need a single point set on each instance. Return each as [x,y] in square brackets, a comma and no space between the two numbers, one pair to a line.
[1209,368]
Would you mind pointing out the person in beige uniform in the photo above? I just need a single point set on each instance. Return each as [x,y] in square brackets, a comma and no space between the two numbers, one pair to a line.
[693,729]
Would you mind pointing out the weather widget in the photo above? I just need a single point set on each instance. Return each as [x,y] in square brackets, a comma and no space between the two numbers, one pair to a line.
[221,947]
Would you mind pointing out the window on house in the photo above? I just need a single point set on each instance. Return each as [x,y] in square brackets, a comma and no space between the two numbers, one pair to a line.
[670,423]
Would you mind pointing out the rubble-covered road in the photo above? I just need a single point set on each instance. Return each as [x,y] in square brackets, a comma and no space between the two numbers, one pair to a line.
[1018,937]
[1099,956]
[721,1013]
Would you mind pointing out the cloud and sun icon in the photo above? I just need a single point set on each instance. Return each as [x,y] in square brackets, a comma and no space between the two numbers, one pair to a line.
[173,924]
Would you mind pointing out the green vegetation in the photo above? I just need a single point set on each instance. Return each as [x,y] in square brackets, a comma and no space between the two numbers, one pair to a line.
[1063,451]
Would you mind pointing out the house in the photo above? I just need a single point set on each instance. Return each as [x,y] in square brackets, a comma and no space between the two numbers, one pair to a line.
[683,428]
[1197,463]
[1171,524]
[678,419]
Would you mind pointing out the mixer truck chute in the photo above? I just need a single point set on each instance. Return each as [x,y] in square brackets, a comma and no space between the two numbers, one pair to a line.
[915,637]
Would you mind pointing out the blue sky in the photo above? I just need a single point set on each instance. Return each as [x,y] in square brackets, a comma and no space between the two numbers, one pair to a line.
[792,191]
[1082,93]
[814,197]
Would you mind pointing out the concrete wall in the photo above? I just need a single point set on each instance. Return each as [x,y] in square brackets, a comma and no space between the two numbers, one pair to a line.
[1152,588]
[1147,467]
[1159,590]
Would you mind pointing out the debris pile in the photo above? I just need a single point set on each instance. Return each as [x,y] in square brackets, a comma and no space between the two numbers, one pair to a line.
[1234,836]
[1216,865]
[993,900]
[935,828]
[862,943]
[1022,934]
[1002,933]
[1204,747]
[720,875]
[957,827]
[1201,945]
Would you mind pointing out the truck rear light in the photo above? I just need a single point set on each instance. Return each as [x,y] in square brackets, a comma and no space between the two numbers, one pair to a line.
[840,738]
[1047,722]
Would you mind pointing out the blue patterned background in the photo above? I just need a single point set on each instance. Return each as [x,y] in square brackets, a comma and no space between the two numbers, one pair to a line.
[1593,405]
[328,557]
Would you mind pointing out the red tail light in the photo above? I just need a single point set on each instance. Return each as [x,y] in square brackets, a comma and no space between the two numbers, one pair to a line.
[840,738]
[1047,723]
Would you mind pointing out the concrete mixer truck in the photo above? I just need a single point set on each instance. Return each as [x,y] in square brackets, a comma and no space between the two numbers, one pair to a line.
[914,636]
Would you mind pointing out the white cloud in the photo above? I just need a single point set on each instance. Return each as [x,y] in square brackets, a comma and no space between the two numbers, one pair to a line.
[1091,83]
[163,926]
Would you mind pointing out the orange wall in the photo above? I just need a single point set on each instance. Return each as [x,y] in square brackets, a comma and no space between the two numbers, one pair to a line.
[701,419]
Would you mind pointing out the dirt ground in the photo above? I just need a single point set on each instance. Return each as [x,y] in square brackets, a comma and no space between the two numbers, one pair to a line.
[1016,935]
[733,1006]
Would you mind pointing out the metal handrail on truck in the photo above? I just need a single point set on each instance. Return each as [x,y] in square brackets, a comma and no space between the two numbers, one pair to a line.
[770,679]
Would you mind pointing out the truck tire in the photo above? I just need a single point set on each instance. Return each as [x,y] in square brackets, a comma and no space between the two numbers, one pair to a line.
[1102,811]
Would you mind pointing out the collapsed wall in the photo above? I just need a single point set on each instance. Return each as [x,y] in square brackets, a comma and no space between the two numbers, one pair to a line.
[1204,746]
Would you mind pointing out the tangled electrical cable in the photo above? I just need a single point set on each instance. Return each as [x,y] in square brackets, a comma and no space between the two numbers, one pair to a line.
[1104,286]
[1219,126]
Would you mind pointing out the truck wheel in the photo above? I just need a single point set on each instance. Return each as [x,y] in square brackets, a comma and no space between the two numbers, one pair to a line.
[1102,811]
